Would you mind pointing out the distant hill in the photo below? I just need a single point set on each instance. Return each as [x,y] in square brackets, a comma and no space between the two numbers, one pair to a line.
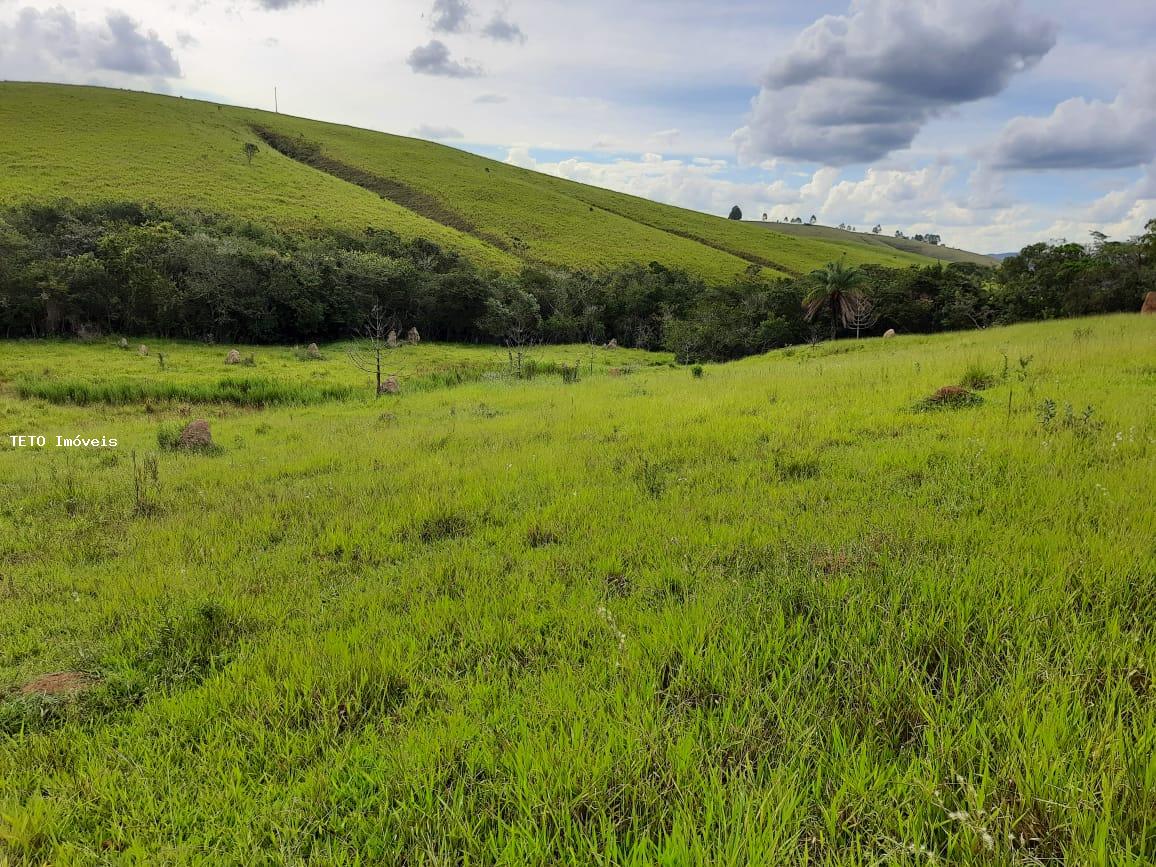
[93,144]
[999,257]
[907,245]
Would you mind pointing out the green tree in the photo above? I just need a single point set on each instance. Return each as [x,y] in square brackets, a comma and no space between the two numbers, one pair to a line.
[837,289]
[736,213]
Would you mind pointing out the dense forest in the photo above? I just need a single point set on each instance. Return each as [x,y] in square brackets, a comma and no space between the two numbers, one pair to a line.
[131,269]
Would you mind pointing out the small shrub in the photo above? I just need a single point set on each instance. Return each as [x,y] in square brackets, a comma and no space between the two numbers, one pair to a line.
[1025,362]
[169,435]
[1081,424]
[1046,413]
[696,371]
[949,397]
[570,374]
[977,378]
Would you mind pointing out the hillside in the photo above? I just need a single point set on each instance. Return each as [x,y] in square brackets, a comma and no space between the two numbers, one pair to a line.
[93,144]
[859,239]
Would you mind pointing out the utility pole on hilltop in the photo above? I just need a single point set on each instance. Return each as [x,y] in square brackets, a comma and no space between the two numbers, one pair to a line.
[276,105]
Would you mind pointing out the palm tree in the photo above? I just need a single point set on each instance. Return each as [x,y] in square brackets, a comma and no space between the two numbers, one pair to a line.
[837,287]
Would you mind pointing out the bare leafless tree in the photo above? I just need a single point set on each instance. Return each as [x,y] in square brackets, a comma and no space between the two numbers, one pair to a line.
[863,315]
[371,343]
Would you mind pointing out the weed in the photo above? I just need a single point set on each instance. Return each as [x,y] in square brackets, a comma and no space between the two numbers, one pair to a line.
[442,526]
[651,475]
[540,537]
[1025,362]
[188,644]
[145,484]
[1082,424]
[949,397]
[977,378]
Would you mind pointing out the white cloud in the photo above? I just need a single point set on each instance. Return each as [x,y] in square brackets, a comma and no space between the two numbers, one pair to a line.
[450,16]
[854,88]
[56,42]
[434,58]
[1086,134]
[698,183]
[502,29]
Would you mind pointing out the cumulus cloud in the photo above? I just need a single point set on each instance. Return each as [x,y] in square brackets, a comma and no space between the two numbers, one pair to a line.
[1086,134]
[53,44]
[699,183]
[502,29]
[437,133]
[450,16]
[853,88]
[435,59]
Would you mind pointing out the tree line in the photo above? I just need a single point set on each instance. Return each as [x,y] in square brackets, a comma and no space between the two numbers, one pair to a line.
[127,268]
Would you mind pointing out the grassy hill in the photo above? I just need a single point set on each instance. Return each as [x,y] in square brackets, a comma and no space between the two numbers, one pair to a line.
[91,144]
[859,239]
[768,615]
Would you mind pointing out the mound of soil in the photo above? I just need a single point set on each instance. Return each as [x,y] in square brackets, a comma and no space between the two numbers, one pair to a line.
[60,683]
[196,435]
[234,357]
[1149,306]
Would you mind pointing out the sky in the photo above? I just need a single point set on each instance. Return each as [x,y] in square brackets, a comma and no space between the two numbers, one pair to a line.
[993,123]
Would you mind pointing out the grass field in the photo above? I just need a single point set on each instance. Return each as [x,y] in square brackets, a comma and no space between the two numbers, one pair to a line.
[99,372]
[766,615]
[91,144]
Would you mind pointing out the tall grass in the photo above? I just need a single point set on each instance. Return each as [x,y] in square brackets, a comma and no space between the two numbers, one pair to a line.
[252,392]
[766,616]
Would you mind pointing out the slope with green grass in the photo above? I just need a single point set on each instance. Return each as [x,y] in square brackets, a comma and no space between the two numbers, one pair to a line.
[858,240]
[91,144]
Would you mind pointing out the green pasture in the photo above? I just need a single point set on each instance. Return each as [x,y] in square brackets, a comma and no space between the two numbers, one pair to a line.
[760,613]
